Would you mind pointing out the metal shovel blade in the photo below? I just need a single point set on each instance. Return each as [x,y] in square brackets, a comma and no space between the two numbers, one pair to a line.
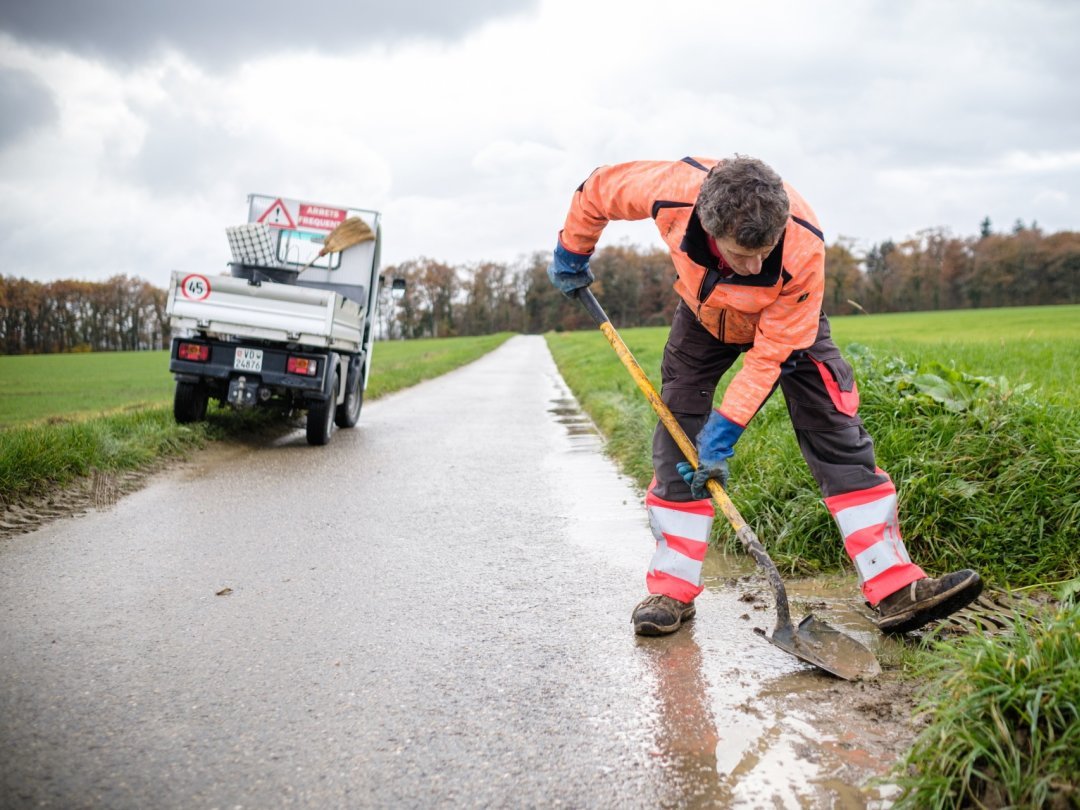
[817,643]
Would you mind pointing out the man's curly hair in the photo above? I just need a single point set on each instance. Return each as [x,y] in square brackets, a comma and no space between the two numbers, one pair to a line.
[743,199]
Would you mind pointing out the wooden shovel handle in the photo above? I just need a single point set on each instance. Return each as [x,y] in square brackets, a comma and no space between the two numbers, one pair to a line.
[743,532]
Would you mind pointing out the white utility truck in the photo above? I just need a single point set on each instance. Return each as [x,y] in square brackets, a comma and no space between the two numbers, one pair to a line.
[285,324]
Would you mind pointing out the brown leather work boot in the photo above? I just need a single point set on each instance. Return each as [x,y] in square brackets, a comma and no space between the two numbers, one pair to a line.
[927,600]
[658,615]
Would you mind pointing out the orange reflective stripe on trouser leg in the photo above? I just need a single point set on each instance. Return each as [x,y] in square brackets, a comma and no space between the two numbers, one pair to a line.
[868,521]
[681,529]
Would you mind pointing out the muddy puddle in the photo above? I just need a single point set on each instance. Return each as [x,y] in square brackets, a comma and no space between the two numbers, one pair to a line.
[737,722]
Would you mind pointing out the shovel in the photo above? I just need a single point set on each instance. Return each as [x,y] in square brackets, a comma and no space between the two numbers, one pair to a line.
[813,640]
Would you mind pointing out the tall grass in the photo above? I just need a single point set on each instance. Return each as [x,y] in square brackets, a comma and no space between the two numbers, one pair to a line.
[35,458]
[995,485]
[1004,720]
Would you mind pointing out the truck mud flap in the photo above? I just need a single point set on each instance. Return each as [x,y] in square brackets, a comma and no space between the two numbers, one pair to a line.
[333,363]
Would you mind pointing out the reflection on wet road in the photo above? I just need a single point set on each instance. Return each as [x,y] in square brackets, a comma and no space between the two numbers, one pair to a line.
[433,610]
[736,722]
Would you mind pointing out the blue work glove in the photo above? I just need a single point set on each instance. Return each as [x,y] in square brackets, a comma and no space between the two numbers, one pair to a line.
[715,445]
[698,479]
[569,271]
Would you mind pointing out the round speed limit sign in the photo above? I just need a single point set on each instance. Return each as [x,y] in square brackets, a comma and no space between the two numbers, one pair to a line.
[195,287]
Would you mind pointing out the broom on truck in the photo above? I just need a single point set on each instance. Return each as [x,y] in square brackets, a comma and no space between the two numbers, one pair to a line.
[353,231]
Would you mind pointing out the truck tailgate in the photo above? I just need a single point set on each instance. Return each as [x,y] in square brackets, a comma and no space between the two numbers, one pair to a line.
[269,311]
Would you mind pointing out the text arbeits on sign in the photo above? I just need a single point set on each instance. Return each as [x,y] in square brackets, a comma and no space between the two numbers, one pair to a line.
[319,216]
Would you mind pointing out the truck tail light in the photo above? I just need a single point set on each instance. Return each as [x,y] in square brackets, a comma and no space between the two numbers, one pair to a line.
[306,366]
[198,352]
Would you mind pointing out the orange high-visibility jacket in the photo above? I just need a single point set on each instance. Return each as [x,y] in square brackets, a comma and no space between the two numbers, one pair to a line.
[776,310]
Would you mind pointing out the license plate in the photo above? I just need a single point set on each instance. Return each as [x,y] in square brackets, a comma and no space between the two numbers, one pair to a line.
[248,360]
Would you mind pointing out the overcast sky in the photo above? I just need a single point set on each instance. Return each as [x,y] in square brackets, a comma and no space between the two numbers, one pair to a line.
[132,132]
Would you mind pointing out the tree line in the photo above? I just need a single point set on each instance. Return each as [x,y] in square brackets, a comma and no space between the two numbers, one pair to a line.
[932,270]
[443,300]
[118,314]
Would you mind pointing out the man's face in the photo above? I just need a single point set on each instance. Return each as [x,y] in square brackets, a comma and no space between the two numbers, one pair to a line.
[744,261]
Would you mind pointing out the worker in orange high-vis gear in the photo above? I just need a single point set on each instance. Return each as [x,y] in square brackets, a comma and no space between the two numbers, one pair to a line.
[749,256]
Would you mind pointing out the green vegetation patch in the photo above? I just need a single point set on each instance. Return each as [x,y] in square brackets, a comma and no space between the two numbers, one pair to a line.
[1004,720]
[43,386]
[35,458]
[1039,346]
[988,475]
[988,472]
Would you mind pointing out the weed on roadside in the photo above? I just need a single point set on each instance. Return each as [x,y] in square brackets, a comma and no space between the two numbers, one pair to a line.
[988,475]
[1004,719]
[37,458]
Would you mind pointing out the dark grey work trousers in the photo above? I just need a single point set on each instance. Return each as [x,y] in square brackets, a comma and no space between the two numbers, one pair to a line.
[836,446]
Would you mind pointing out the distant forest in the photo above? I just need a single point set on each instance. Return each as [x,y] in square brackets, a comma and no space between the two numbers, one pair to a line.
[930,271]
[933,270]
[119,314]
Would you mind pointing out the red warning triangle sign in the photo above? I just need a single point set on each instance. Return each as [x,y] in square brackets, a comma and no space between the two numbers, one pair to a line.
[277,216]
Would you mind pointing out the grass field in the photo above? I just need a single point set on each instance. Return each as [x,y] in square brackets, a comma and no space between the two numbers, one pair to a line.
[997,485]
[36,387]
[1036,345]
[62,416]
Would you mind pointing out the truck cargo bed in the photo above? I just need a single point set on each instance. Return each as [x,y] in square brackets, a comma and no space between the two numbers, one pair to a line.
[285,313]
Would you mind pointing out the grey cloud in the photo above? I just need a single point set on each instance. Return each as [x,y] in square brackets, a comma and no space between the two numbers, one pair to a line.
[25,105]
[220,33]
[179,157]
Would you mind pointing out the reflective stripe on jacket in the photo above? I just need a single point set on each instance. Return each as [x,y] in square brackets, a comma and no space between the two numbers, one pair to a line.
[777,310]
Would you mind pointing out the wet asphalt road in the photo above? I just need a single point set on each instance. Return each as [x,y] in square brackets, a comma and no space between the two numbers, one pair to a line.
[433,610]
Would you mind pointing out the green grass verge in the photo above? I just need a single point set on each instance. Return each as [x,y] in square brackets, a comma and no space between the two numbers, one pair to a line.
[55,429]
[988,479]
[36,458]
[1003,720]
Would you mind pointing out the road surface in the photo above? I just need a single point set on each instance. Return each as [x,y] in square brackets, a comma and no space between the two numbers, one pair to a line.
[432,610]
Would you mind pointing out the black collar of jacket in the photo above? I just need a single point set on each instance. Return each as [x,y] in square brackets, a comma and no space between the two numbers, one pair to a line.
[695,244]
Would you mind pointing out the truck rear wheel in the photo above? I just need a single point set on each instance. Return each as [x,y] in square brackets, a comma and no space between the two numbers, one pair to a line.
[320,417]
[189,403]
[348,412]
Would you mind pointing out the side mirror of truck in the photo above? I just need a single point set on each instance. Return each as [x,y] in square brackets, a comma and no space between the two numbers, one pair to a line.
[397,289]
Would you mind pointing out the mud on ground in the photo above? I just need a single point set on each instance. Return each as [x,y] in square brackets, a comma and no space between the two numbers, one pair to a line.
[100,490]
[870,727]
